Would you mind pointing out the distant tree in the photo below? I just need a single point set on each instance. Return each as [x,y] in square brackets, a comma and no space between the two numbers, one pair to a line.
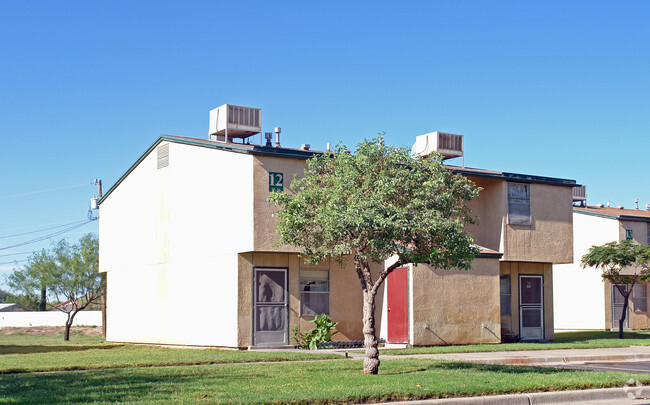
[374,204]
[30,283]
[4,296]
[68,272]
[622,264]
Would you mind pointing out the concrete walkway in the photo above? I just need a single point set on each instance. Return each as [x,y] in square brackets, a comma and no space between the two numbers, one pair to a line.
[527,357]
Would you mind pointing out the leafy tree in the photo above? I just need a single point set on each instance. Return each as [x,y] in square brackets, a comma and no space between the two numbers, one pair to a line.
[32,281]
[378,203]
[68,272]
[622,264]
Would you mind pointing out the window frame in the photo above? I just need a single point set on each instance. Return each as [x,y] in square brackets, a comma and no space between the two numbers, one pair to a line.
[511,201]
[505,295]
[640,303]
[301,279]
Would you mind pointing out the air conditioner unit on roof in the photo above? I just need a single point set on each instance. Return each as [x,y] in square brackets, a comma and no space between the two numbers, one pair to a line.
[448,145]
[234,121]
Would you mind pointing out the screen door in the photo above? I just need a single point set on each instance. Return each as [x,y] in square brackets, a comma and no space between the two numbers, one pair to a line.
[531,307]
[270,307]
[618,301]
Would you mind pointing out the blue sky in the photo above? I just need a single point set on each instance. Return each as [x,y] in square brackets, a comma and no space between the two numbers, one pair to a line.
[550,88]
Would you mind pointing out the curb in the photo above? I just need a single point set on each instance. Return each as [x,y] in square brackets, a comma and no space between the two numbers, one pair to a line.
[542,398]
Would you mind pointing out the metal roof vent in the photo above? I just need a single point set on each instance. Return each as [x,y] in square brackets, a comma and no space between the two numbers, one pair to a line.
[234,121]
[447,144]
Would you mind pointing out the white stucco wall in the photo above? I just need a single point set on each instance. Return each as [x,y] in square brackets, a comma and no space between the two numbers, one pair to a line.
[578,296]
[169,240]
[186,302]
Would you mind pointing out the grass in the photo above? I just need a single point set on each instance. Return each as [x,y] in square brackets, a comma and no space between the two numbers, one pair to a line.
[89,370]
[563,340]
[21,353]
[295,382]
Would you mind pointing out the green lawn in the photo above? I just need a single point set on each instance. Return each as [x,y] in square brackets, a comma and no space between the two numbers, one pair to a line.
[89,370]
[26,353]
[294,382]
[563,340]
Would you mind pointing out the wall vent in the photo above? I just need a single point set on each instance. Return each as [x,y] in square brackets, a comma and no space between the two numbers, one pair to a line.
[234,121]
[163,156]
[447,144]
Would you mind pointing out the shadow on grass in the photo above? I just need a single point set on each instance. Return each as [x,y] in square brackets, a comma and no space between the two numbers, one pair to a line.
[105,387]
[29,349]
[492,368]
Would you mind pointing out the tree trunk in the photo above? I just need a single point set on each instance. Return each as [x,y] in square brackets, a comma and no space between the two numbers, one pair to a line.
[43,304]
[371,362]
[68,325]
[621,321]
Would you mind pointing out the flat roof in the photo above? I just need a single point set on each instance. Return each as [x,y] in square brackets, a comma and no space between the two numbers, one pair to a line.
[260,150]
[621,214]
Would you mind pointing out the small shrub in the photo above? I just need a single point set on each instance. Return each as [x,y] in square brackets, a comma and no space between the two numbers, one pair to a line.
[323,332]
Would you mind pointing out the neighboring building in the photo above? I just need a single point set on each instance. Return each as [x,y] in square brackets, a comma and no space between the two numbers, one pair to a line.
[524,227]
[582,299]
[189,246]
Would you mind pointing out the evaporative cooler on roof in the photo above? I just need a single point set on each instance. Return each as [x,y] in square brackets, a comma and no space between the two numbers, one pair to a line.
[228,122]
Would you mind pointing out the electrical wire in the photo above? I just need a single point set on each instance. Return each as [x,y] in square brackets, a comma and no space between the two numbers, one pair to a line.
[17,254]
[44,229]
[39,239]
[15,261]
[43,191]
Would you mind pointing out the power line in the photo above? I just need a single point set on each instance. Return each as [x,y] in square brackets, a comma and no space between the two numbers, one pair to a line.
[44,229]
[15,261]
[47,236]
[43,191]
[17,254]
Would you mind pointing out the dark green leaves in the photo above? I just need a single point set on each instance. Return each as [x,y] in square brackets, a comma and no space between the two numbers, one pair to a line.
[378,202]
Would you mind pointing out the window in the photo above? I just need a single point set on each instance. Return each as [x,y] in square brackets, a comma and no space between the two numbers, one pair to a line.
[505,295]
[314,292]
[519,203]
[640,298]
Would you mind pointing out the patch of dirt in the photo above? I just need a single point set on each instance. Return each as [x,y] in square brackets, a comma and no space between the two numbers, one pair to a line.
[52,330]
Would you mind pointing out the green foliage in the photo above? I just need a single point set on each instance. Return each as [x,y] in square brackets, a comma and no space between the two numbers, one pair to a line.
[67,274]
[323,332]
[376,203]
[620,263]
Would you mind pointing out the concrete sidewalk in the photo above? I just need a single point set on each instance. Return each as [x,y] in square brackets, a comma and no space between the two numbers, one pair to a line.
[530,357]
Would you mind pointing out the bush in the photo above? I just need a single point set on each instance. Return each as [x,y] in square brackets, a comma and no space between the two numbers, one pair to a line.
[323,332]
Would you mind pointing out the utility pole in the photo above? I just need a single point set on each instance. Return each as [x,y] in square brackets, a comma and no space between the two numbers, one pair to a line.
[98,183]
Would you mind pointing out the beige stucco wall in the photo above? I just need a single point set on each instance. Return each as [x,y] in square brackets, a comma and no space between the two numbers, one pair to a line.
[455,306]
[636,319]
[490,209]
[514,269]
[266,236]
[639,231]
[549,238]
[346,304]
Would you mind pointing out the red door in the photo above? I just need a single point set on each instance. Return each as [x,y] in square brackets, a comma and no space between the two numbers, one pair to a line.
[398,305]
